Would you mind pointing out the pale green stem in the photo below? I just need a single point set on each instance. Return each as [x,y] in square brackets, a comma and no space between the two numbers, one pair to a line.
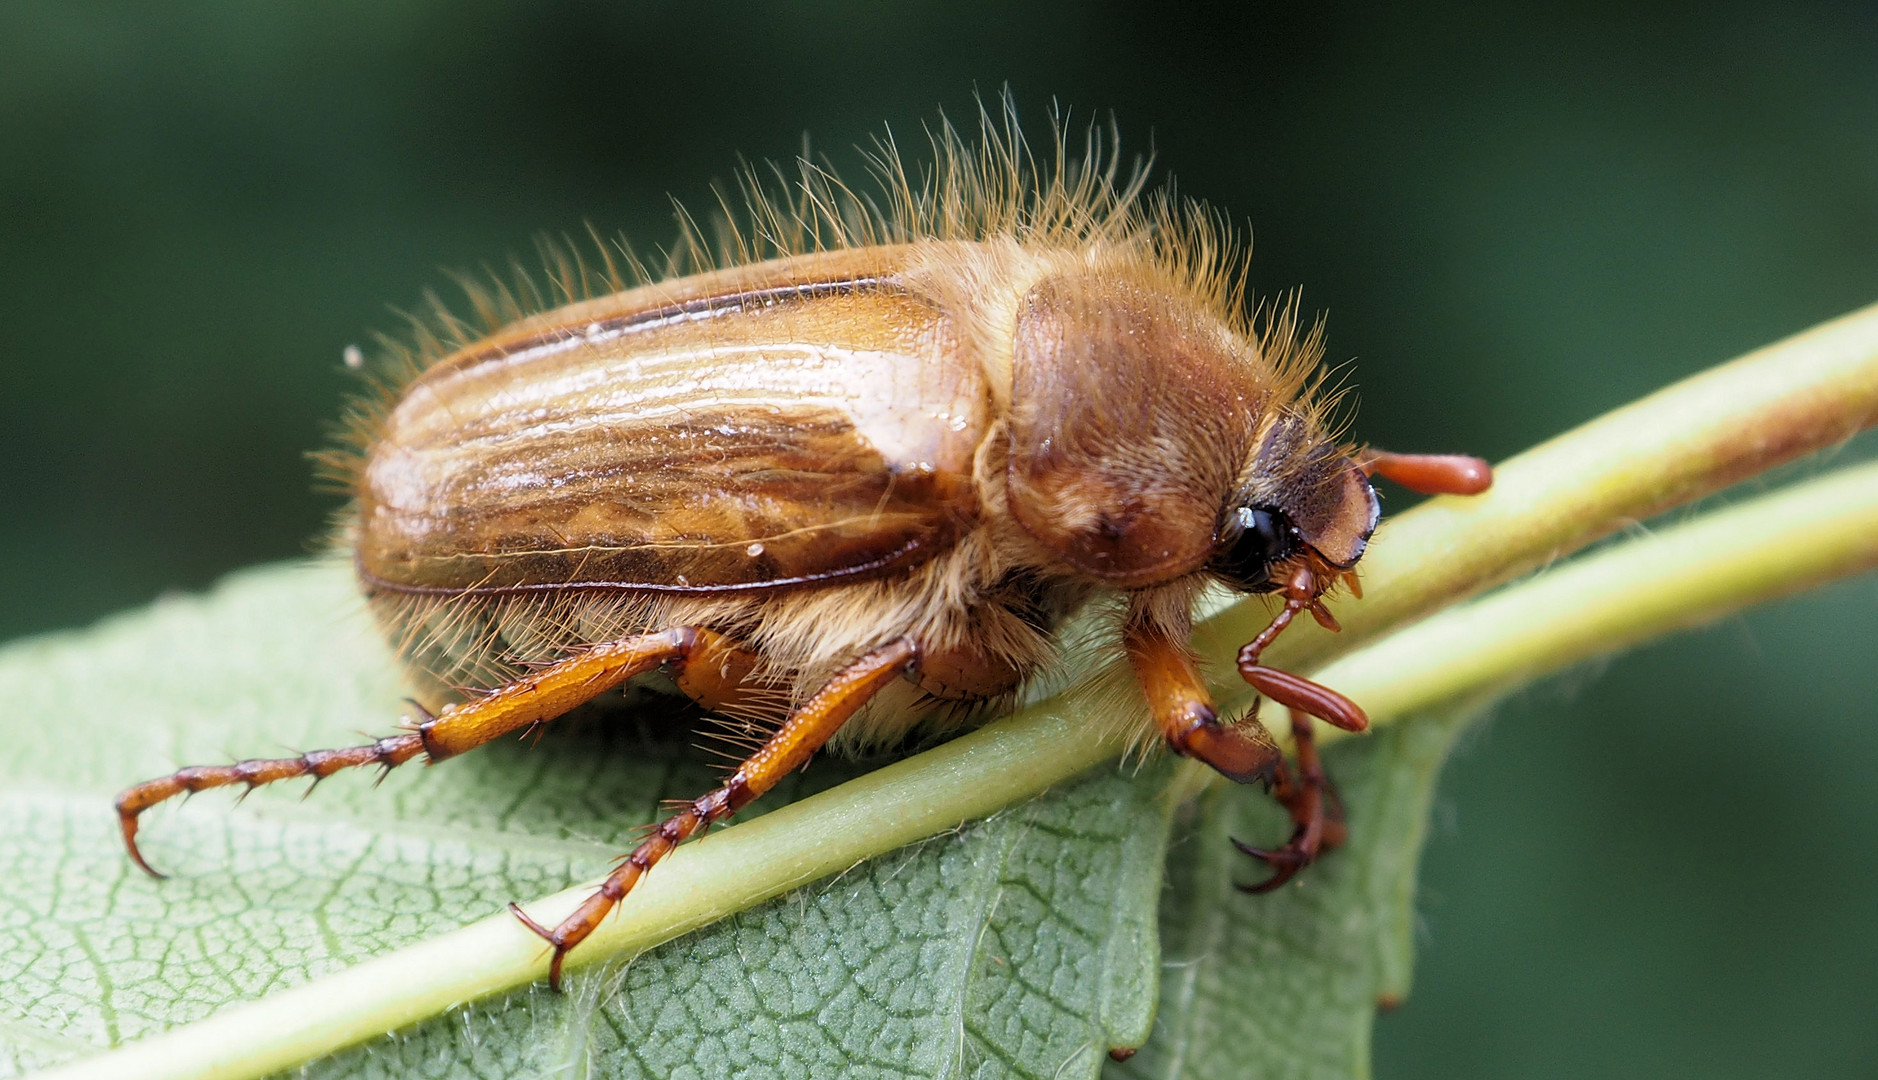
[1804,393]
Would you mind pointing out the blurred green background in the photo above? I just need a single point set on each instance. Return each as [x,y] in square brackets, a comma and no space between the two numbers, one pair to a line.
[1514,219]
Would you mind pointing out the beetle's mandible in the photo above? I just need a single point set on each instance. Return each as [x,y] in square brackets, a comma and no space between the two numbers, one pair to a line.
[866,466]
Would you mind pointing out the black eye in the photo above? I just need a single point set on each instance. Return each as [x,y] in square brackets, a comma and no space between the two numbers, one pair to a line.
[1252,539]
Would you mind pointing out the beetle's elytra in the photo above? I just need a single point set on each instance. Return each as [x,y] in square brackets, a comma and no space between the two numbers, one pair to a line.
[860,473]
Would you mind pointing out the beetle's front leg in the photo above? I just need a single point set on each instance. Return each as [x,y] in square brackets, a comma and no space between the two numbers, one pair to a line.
[1316,813]
[1184,711]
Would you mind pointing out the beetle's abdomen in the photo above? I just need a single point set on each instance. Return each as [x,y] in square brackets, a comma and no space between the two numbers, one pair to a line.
[756,439]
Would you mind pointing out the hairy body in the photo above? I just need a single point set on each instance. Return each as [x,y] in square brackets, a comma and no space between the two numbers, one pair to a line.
[852,478]
[812,455]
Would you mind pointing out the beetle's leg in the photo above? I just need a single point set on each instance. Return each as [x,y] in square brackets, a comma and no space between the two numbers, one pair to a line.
[716,675]
[1304,793]
[1431,474]
[1301,594]
[1316,813]
[799,737]
[542,695]
[1184,710]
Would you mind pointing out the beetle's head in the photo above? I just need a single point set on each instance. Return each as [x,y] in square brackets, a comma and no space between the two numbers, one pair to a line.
[1303,500]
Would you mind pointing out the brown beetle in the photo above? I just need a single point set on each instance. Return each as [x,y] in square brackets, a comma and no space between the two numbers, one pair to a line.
[858,476]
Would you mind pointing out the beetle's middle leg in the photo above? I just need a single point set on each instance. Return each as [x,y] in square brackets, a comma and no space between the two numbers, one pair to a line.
[540,696]
[800,736]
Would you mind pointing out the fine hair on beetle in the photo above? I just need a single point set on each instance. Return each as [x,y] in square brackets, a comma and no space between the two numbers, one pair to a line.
[1093,206]
[854,471]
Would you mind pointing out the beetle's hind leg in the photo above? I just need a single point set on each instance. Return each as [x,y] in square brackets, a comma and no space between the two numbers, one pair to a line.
[1316,812]
[537,697]
[800,736]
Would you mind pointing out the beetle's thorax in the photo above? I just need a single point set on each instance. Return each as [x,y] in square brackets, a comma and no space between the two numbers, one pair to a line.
[1134,415]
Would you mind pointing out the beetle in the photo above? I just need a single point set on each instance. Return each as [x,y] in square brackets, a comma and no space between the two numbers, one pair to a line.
[856,476]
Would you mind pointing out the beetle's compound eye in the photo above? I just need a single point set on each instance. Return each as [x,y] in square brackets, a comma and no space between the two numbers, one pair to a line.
[1253,538]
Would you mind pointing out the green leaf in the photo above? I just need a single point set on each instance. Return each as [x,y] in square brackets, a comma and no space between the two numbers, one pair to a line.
[1017,944]
[1022,944]
[1287,985]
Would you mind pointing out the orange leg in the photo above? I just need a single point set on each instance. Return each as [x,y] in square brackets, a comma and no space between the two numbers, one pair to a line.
[1181,706]
[539,697]
[800,736]
[717,674]
[1245,752]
